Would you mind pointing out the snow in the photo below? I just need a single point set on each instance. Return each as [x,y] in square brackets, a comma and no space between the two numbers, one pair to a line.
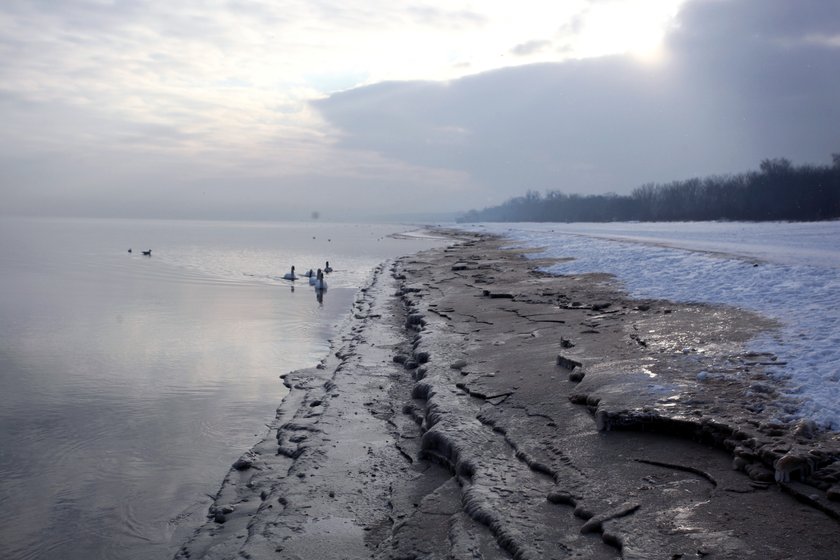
[796,281]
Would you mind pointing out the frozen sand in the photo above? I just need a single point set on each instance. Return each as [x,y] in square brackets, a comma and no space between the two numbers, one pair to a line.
[372,456]
[786,271]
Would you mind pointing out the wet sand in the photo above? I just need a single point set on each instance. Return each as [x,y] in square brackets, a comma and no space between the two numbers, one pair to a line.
[477,408]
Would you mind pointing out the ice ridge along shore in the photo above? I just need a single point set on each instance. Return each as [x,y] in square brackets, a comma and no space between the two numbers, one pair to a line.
[477,408]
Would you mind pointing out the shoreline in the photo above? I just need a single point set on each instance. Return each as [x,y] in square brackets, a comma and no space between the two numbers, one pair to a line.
[258,486]
[488,409]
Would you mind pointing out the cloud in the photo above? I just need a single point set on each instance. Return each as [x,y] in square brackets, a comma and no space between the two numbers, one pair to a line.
[775,83]
[741,81]
[530,47]
[149,106]
[540,126]
[435,16]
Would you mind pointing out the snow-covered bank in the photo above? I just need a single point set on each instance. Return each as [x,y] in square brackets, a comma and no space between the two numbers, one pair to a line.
[786,271]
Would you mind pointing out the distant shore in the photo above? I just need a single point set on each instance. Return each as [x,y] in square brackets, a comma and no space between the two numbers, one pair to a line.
[475,407]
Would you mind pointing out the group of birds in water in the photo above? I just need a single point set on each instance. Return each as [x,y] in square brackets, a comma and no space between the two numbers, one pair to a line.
[145,253]
[315,278]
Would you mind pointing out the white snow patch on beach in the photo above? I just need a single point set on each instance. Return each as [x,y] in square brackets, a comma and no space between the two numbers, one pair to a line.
[786,271]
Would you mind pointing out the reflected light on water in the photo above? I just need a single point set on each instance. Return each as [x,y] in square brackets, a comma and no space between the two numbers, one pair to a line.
[130,384]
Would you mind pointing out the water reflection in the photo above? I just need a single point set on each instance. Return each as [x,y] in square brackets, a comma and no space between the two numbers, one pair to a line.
[129,385]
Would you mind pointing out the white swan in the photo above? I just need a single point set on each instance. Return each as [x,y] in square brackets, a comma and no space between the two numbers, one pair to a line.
[290,275]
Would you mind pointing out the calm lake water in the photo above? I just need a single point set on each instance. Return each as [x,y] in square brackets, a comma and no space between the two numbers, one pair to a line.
[130,384]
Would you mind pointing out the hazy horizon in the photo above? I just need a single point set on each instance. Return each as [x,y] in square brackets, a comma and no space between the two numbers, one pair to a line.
[252,110]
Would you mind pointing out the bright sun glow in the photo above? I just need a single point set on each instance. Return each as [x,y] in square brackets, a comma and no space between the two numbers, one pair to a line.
[634,28]
[242,84]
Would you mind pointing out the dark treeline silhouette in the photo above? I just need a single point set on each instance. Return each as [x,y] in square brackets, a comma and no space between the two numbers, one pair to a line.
[778,191]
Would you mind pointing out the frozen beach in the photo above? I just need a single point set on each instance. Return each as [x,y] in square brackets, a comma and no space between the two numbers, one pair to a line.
[789,272]
[476,406]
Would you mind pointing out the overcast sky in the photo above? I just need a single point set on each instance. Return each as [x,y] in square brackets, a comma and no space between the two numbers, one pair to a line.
[274,109]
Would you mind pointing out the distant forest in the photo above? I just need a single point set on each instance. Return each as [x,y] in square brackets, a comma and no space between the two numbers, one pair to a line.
[777,191]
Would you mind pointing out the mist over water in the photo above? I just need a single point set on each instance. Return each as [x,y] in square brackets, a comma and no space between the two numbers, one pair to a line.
[130,384]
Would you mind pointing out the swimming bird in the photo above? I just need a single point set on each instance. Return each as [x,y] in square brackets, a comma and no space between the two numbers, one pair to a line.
[328,268]
[309,273]
[148,253]
[320,283]
[290,275]
[314,278]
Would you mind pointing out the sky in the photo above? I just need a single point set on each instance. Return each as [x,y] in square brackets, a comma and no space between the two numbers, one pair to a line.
[277,109]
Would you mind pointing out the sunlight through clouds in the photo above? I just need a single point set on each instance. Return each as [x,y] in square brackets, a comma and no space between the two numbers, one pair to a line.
[234,78]
[636,27]
[111,95]
[227,65]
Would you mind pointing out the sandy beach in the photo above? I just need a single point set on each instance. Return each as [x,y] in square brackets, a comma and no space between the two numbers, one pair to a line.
[475,407]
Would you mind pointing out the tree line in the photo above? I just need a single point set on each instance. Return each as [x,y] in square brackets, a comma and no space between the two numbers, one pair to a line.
[778,191]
